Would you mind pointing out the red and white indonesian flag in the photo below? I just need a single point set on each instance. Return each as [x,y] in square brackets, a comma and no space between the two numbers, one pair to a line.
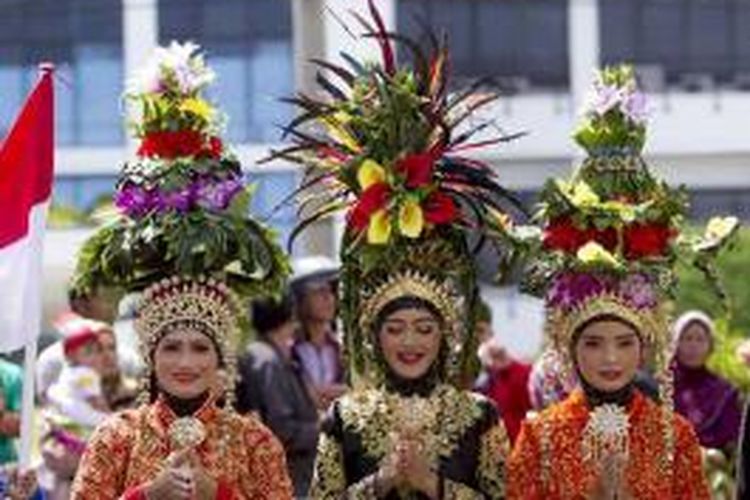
[26,163]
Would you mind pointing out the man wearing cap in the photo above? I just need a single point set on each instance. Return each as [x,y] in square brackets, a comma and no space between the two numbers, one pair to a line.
[317,349]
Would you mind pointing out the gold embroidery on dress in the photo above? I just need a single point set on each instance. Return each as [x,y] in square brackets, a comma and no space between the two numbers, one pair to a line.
[328,479]
[493,451]
[440,420]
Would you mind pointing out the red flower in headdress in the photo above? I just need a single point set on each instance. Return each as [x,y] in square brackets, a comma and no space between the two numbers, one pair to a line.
[647,240]
[439,208]
[171,144]
[372,199]
[562,234]
[417,168]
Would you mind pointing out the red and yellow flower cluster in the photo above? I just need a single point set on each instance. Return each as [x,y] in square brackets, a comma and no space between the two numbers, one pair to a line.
[639,240]
[407,195]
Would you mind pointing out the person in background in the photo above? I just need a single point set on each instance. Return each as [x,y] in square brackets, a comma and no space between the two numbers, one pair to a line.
[506,384]
[707,400]
[11,382]
[271,385]
[75,404]
[77,394]
[119,390]
[313,288]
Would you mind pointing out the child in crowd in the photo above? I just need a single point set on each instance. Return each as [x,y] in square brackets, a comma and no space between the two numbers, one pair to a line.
[77,394]
[76,403]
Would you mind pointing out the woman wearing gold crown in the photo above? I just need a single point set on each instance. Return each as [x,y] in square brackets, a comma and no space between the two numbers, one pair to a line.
[409,293]
[184,441]
[605,270]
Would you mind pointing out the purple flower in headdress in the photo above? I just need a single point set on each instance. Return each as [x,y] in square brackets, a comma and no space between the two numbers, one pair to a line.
[638,291]
[179,201]
[216,196]
[570,289]
[635,107]
[132,200]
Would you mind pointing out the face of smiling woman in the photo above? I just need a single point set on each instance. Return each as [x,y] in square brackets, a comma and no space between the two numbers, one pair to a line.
[410,341]
[608,354]
[186,363]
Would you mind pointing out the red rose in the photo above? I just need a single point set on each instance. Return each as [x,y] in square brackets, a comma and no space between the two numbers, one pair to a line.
[371,200]
[213,149]
[171,144]
[417,168]
[562,234]
[439,208]
[646,240]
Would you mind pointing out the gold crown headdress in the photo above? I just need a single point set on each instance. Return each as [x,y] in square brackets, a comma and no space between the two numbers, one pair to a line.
[412,283]
[202,303]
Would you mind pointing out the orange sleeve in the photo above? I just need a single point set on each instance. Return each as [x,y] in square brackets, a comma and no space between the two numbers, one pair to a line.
[101,473]
[523,467]
[689,479]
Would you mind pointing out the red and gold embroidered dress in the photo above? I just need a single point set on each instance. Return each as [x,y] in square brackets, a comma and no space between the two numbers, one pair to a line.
[131,448]
[560,471]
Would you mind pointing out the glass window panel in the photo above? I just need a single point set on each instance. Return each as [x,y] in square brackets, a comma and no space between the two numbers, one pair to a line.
[523,39]
[707,44]
[99,82]
[11,81]
[224,19]
[617,27]
[270,78]
[231,93]
[65,96]
[83,39]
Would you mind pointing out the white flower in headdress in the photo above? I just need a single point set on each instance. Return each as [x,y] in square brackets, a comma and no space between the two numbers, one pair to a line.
[177,65]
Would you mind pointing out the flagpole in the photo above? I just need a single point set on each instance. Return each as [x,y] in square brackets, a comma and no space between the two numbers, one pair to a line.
[27,405]
[30,349]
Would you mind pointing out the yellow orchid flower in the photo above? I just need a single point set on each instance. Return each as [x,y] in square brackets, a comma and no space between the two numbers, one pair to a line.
[370,172]
[625,211]
[198,107]
[379,230]
[593,253]
[583,196]
[411,219]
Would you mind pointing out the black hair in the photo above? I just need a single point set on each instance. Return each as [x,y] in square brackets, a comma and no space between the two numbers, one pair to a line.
[405,302]
[269,313]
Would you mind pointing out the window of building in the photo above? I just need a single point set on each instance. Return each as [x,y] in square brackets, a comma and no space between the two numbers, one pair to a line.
[84,40]
[523,43]
[249,45]
[691,44]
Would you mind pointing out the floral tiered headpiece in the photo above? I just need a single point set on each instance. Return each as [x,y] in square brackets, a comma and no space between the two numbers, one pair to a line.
[387,145]
[182,204]
[613,231]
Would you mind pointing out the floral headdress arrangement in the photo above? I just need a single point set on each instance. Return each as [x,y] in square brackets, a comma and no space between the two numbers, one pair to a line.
[614,229]
[612,234]
[182,204]
[385,147]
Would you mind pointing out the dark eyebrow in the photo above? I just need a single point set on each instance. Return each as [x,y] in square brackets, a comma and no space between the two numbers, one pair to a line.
[626,335]
[426,319]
